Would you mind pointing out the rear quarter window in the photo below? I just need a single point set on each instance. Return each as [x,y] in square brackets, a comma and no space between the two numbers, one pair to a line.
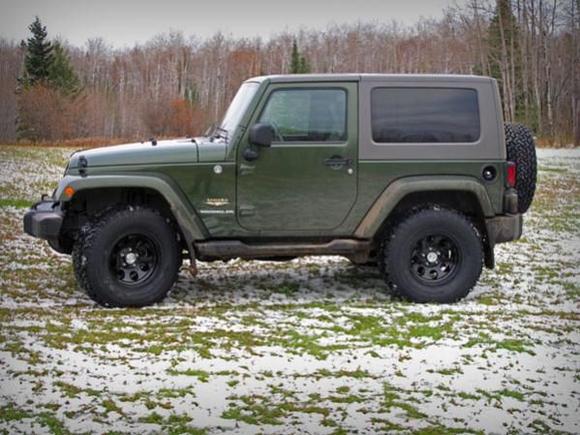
[425,115]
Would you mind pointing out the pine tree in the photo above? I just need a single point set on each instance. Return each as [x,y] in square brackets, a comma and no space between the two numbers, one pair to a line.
[504,60]
[304,65]
[61,75]
[48,85]
[295,59]
[39,55]
[298,63]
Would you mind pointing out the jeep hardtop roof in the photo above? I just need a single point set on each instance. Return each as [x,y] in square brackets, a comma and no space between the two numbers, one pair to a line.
[282,78]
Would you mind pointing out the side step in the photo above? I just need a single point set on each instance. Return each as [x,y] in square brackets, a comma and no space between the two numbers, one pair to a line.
[358,250]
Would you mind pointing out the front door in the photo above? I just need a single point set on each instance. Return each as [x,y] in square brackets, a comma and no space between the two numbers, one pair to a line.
[307,179]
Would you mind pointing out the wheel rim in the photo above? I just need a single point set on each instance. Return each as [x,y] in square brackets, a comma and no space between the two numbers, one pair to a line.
[435,258]
[134,259]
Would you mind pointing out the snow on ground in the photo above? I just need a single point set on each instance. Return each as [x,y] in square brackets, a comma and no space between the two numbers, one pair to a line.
[310,346]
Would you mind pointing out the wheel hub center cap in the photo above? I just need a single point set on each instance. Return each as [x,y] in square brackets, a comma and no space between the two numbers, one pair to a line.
[432,257]
[130,258]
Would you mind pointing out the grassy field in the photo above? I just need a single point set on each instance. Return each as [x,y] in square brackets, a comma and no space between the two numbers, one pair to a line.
[310,346]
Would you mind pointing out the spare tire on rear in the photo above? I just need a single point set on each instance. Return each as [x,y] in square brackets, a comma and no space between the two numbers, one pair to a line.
[521,150]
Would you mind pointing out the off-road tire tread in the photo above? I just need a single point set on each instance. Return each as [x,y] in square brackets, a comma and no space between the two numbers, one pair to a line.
[521,149]
[77,258]
[79,265]
[85,241]
[391,238]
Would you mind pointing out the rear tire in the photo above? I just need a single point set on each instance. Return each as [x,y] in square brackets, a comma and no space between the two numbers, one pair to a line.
[129,257]
[434,255]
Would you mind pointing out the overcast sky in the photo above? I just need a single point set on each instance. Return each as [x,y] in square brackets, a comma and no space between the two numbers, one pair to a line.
[124,22]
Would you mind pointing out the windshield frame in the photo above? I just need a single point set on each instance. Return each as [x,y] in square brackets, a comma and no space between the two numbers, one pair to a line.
[238,108]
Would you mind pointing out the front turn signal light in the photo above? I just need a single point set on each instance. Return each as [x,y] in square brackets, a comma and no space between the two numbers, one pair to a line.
[69,192]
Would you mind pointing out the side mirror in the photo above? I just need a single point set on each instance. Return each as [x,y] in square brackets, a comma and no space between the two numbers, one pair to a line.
[261,134]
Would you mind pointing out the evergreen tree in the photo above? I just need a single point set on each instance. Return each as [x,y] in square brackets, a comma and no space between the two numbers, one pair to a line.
[304,65]
[298,63]
[503,30]
[61,75]
[504,58]
[48,85]
[295,59]
[38,55]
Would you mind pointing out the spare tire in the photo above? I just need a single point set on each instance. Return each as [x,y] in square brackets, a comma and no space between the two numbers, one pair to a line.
[521,150]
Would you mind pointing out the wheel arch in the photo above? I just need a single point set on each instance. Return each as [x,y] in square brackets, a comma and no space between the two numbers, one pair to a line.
[464,194]
[103,191]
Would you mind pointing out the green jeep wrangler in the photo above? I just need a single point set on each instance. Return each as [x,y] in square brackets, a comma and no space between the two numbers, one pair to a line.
[415,174]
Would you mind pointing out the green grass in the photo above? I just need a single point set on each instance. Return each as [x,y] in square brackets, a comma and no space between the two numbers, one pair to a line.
[392,399]
[332,333]
[255,414]
[17,203]
[11,413]
[202,375]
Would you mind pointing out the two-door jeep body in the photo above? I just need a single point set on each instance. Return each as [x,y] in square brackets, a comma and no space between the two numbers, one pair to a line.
[413,173]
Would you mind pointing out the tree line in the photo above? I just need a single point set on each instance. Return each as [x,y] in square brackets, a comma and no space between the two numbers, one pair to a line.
[175,85]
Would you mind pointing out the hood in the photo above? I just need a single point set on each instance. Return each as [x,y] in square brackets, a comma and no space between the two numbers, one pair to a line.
[145,153]
[208,151]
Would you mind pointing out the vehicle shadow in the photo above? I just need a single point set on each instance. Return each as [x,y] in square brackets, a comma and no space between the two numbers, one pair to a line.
[299,281]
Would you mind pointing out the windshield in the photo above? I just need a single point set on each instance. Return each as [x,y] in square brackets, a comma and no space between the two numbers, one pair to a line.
[238,107]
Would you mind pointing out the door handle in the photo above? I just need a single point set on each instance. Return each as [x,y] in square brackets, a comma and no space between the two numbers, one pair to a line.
[337,162]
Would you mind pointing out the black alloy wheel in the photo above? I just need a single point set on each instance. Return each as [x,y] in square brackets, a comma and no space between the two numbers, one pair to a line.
[134,258]
[433,255]
[435,258]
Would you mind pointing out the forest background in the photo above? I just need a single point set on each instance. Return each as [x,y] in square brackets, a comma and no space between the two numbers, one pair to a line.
[52,92]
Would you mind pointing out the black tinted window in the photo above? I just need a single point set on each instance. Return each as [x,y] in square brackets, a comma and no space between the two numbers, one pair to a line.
[307,115]
[424,115]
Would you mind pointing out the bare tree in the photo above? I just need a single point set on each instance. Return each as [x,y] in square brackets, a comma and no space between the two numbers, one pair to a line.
[174,85]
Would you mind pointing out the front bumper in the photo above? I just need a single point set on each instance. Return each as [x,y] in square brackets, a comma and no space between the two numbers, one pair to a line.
[504,228]
[44,220]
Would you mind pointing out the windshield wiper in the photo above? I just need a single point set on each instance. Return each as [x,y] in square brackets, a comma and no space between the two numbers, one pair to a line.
[218,132]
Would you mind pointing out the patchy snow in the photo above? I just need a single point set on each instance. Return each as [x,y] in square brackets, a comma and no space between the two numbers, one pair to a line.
[312,345]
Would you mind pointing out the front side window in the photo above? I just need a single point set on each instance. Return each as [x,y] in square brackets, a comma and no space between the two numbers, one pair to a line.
[307,115]
[424,115]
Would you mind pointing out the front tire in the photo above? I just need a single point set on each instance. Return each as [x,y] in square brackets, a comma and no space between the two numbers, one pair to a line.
[434,255]
[129,257]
